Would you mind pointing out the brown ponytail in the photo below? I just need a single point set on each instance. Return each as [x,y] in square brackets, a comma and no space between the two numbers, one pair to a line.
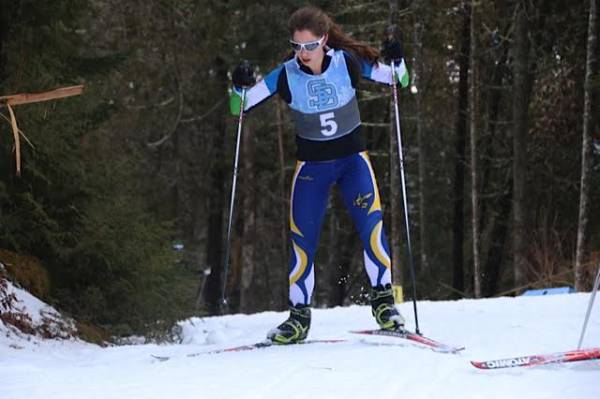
[316,21]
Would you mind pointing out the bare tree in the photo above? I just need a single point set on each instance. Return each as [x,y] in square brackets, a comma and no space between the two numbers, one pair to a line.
[521,94]
[418,63]
[395,192]
[461,127]
[473,115]
[248,213]
[586,144]
[214,246]
[282,177]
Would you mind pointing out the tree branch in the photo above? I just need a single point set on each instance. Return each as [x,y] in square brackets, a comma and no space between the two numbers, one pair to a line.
[27,98]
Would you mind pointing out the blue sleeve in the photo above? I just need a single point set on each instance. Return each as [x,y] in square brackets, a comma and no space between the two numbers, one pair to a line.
[367,69]
[272,78]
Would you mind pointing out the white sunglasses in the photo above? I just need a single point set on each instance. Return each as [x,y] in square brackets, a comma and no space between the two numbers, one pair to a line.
[310,46]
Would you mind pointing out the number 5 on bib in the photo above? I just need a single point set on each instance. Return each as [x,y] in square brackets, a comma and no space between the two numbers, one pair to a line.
[328,124]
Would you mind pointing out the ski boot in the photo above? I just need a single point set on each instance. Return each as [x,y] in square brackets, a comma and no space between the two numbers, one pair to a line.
[294,329]
[383,309]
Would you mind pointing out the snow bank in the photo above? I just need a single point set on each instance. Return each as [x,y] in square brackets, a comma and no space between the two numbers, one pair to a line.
[23,317]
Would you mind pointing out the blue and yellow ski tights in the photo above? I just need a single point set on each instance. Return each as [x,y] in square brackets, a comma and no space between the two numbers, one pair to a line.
[310,191]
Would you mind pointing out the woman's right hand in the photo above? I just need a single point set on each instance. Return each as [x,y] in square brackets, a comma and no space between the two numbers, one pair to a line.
[243,75]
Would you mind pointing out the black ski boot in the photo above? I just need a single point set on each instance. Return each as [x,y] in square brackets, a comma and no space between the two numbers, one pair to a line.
[294,329]
[384,311]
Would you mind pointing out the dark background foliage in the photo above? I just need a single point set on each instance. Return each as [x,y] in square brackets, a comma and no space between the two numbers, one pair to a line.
[143,159]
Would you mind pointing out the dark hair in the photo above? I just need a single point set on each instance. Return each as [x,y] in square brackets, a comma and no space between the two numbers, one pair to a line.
[316,21]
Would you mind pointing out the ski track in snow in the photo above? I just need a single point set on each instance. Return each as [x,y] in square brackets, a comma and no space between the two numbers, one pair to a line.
[489,328]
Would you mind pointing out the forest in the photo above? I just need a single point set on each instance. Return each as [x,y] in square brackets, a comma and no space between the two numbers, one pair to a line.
[119,211]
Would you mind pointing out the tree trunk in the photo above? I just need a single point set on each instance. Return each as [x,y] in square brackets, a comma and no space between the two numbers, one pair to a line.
[586,146]
[340,252]
[396,217]
[495,212]
[418,67]
[461,132]
[216,205]
[473,128]
[348,253]
[4,23]
[498,239]
[282,278]
[395,192]
[247,261]
[521,93]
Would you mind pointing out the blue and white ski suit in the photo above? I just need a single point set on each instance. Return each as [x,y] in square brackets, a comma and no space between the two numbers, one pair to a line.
[331,151]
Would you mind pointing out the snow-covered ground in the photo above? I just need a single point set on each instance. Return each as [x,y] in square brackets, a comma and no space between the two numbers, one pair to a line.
[489,328]
[36,314]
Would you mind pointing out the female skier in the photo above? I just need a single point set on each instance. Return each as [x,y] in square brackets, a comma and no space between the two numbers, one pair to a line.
[319,84]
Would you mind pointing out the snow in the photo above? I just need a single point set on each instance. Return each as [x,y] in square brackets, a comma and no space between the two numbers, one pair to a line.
[30,305]
[489,328]
[40,314]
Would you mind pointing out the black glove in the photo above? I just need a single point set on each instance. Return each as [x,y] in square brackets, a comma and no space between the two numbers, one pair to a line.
[391,50]
[243,75]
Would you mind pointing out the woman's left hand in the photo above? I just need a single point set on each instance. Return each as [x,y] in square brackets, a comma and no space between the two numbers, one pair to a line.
[391,50]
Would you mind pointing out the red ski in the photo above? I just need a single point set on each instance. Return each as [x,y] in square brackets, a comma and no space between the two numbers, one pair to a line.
[538,360]
[411,336]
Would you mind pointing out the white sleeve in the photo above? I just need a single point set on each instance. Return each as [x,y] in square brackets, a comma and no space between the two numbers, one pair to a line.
[264,89]
[382,73]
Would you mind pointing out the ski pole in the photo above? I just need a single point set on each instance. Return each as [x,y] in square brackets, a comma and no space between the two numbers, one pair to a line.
[589,309]
[405,201]
[232,201]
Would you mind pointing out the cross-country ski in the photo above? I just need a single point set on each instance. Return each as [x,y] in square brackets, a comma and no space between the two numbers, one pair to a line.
[250,347]
[415,338]
[577,355]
